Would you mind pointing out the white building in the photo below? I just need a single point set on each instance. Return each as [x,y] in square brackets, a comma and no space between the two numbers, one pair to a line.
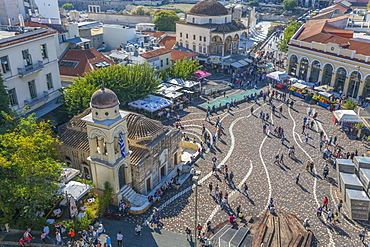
[116,35]
[48,9]
[210,29]
[29,66]
[10,10]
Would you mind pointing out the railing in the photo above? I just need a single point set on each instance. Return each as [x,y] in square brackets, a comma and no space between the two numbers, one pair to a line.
[23,71]
[38,99]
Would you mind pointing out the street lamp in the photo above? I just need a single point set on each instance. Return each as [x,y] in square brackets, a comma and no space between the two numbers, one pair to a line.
[195,179]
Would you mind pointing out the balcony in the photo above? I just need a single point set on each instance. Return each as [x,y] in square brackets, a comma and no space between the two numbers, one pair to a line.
[38,99]
[26,70]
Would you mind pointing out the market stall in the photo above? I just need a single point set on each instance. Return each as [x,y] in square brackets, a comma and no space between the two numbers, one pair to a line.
[325,99]
[280,77]
[346,119]
[152,104]
[201,74]
[299,90]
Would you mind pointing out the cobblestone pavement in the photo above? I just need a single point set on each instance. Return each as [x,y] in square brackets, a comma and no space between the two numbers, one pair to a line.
[250,154]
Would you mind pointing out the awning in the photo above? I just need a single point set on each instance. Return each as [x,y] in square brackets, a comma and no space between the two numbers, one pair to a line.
[48,107]
[248,60]
[279,76]
[201,74]
[77,40]
[237,65]
[299,86]
[243,62]
[348,116]
[325,94]
[75,189]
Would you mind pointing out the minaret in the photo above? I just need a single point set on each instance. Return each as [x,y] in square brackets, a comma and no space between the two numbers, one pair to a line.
[107,134]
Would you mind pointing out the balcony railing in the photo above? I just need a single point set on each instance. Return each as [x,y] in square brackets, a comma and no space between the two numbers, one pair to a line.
[23,71]
[38,99]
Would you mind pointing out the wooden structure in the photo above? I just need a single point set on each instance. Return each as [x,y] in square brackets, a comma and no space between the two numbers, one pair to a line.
[281,230]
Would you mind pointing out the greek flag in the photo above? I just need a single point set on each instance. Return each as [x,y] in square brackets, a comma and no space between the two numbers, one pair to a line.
[121,143]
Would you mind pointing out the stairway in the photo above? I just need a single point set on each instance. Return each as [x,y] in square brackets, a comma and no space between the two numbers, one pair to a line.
[136,200]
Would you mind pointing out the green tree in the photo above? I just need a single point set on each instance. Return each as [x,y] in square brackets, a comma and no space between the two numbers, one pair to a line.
[289,4]
[5,110]
[253,3]
[289,31]
[140,10]
[68,6]
[165,20]
[184,68]
[350,104]
[29,170]
[128,82]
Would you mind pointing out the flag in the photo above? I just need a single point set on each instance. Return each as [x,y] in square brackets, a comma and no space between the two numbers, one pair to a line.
[121,143]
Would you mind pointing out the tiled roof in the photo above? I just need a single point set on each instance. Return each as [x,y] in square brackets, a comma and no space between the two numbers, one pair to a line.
[154,33]
[75,139]
[20,40]
[155,53]
[168,42]
[87,61]
[76,120]
[177,54]
[140,127]
[138,154]
[333,7]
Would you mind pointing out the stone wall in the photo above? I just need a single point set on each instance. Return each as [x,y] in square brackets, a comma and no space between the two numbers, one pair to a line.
[129,20]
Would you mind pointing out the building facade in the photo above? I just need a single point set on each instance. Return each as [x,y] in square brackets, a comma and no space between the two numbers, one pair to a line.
[29,67]
[322,51]
[209,28]
[159,59]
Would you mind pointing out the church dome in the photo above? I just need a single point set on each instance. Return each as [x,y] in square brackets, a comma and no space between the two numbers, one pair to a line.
[104,98]
[208,7]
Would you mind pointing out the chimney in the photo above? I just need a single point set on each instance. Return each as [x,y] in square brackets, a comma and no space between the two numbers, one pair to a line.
[21,20]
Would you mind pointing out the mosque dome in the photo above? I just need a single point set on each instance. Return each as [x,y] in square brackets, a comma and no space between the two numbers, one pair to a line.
[104,98]
[209,7]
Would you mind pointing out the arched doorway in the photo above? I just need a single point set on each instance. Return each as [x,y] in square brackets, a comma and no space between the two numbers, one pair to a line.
[303,68]
[340,79]
[328,73]
[293,65]
[366,92]
[228,43]
[354,84]
[121,176]
[216,43]
[236,41]
[315,71]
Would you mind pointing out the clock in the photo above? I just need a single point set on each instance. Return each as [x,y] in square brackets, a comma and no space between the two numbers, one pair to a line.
[332,48]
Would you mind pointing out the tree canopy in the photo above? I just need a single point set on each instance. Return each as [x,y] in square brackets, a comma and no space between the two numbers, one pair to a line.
[165,20]
[5,109]
[128,82]
[68,6]
[253,3]
[29,170]
[140,10]
[183,69]
[289,31]
[289,4]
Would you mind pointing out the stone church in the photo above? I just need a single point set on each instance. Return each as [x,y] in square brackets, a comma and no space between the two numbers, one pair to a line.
[146,153]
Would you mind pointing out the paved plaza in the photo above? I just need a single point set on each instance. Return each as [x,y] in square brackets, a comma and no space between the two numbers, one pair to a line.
[250,155]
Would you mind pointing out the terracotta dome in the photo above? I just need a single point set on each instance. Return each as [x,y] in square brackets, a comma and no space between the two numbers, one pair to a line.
[208,7]
[104,98]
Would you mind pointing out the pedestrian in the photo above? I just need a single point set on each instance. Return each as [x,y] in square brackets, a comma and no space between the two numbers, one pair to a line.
[47,231]
[311,166]
[209,227]
[188,234]
[199,229]
[119,239]
[42,237]
[231,177]
[335,140]
[319,212]
[282,159]
[330,216]
[303,128]
[362,235]
[58,239]
[245,191]
[108,242]
[72,235]
[297,178]
[138,229]
[340,205]
[238,209]
[100,229]
[27,237]
[21,242]
[325,203]
[252,110]
[210,186]
[336,218]
[307,136]
[277,159]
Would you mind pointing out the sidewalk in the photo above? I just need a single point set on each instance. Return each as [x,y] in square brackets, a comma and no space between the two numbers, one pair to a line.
[150,237]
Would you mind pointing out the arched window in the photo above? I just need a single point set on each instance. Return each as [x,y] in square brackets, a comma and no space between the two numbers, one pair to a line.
[315,71]
[116,145]
[354,84]
[366,92]
[303,68]
[340,79]
[98,148]
[328,73]
[121,176]
[180,34]
[225,19]
[210,21]
[293,65]
[193,20]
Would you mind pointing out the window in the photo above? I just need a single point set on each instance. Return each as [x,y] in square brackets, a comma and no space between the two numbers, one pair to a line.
[194,47]
[210,21]
[12,97]
[225,19]
[180,44]
[194,37]
[5,64]
[204,50]
[26,58]
[161,62]
[167,61]
[62,38]
[200,49]
[32,88]
[187,36]
[187,46]
[204,39]
[49,81]
[200,38]
[44,52]
[68,64]
[193,20]
[180,35]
